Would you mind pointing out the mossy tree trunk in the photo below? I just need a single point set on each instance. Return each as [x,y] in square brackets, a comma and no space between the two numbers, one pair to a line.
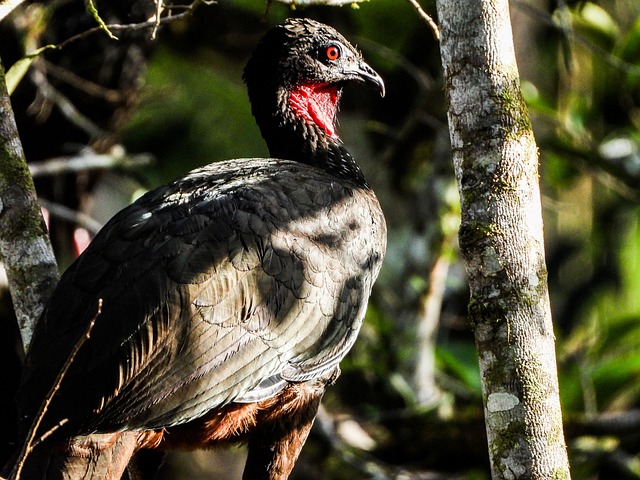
[25,249]
[501,239]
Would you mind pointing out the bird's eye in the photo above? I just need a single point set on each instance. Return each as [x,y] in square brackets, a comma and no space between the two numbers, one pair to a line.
[332,52]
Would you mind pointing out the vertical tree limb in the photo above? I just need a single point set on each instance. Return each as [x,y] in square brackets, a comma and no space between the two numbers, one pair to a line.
[427,391]
[501,239]
[25,249]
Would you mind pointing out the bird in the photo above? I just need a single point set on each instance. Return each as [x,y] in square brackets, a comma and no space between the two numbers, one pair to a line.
[216,309]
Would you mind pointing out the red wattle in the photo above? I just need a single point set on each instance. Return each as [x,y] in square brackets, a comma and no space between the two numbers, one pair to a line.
[316,103]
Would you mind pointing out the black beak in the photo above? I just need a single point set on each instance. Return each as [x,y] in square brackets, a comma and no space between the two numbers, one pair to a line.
[363,72]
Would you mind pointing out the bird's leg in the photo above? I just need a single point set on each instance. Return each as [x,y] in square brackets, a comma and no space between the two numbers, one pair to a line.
[274,447]
[282,429]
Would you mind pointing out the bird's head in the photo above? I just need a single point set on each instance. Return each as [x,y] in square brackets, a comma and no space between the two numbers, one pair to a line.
[298,70]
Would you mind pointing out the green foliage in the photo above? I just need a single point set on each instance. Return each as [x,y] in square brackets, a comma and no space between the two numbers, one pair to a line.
[459,359]
[194,111]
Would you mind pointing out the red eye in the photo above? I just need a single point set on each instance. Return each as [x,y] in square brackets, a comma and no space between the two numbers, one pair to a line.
[332,52]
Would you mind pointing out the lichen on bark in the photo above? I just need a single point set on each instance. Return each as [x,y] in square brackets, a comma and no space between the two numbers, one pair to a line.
[25,249]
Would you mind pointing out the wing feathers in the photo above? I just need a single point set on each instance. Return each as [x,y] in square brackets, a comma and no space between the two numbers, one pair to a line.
[216,289]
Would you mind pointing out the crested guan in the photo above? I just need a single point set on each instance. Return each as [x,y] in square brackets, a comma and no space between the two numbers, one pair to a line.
[229,296]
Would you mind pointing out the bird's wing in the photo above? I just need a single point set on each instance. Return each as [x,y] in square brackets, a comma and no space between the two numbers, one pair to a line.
[215,289]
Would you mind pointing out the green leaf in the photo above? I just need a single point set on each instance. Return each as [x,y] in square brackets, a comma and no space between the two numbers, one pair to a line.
[18,70]
[598,19]
[461,360]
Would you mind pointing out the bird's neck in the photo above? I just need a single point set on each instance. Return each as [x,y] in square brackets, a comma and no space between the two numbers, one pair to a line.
[303,128]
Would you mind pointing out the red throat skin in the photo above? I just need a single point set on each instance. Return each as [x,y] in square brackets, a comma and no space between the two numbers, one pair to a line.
[316,104]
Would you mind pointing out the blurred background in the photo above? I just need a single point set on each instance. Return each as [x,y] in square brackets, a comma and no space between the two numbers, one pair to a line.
[103,121]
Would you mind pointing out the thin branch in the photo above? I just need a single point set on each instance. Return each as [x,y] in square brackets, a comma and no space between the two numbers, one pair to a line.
[327,3]
[428,321]
[609,423]
[88,160]
[31,442]
[15,74]
[49,432]
[427,18]
[187,11]
[159,5]
[115,27]
[67,108]
[77,218]
[93,11]
[86,86]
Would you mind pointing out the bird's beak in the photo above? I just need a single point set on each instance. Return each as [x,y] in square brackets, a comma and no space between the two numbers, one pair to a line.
[363,72]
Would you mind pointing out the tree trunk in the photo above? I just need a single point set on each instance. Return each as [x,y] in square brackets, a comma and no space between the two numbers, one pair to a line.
[501,239]
[25,249]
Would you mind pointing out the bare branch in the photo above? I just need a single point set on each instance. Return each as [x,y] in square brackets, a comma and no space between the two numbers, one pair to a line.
[154,23]
[82,84]
[78,218]
[115,27]
[67,108]
[427,391]
[159,5]
[89,160]
[427,18]
[49,432]
[328,3]
[31,441]
[93,11]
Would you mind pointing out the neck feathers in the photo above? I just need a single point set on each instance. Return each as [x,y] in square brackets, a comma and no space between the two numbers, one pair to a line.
[300,125]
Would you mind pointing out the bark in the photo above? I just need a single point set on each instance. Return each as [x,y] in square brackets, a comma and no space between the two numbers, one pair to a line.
[501,240]
[25,249]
